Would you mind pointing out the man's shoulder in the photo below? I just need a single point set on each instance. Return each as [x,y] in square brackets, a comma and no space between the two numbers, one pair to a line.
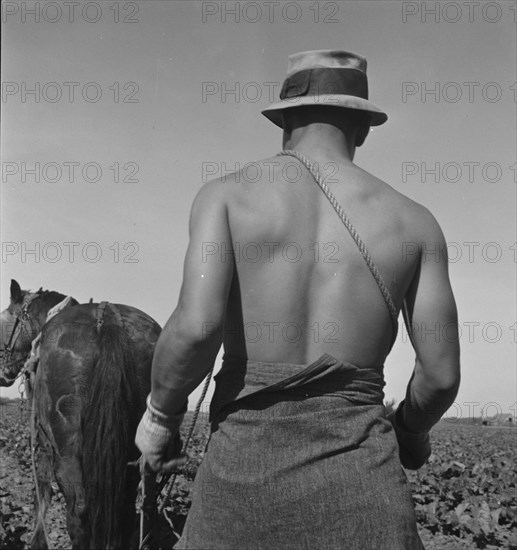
[419,221]
[416,217]
[250,171]
[235,187]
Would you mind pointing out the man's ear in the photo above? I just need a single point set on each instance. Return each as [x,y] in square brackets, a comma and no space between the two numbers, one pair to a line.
[287,129]
[362,134]
[286,122]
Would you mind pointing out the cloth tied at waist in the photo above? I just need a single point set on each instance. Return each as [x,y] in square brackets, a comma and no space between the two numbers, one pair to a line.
[327,376]
[307,452]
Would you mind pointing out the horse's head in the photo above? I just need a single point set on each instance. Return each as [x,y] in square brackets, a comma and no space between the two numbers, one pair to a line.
[20,324]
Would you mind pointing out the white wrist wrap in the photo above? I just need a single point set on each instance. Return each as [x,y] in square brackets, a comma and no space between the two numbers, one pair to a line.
[172,421]
[157,429]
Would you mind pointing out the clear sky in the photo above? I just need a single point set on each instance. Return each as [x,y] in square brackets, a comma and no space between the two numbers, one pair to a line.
[152,108]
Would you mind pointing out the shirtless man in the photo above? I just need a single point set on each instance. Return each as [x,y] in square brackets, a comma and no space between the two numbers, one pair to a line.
[273,275]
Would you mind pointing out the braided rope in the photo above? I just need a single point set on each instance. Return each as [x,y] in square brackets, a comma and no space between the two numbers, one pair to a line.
[353,233]
[170,481]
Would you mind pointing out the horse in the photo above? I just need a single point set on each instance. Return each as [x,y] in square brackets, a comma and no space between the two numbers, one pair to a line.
[89,389]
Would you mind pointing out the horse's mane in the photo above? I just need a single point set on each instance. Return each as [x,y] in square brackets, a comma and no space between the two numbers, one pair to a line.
[51,295]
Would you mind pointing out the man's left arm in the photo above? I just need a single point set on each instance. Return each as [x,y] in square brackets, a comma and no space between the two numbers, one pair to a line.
[189,343]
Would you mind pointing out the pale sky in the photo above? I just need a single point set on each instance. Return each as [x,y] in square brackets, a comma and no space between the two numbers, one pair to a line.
[154,95]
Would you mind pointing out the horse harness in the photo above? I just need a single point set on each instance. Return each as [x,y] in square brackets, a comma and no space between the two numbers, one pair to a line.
[24,317]
[21,319]
[101,310]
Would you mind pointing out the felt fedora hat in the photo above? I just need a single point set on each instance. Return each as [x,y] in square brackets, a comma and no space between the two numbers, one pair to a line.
[334,78]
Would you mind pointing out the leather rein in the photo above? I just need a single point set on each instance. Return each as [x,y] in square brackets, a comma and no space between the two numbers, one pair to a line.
[21,319]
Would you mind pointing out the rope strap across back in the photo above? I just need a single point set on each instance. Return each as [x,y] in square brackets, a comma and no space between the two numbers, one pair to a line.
[353,233]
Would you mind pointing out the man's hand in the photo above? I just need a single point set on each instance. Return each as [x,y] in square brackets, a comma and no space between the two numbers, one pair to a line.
[414,448]
[158,439]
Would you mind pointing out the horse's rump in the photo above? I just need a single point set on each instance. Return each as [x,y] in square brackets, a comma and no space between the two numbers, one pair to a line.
[91,383]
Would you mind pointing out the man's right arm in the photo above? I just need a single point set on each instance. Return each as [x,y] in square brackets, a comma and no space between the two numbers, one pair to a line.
[433,326]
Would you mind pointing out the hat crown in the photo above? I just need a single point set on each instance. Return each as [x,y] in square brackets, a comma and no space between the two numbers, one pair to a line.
[336,78]
[325,59]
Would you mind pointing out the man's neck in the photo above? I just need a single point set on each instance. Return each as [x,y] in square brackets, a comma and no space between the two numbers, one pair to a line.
[322,141]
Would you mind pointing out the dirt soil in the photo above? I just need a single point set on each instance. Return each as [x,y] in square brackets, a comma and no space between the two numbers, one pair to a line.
[16,491]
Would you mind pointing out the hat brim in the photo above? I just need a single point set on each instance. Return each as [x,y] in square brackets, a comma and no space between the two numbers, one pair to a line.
[274,111]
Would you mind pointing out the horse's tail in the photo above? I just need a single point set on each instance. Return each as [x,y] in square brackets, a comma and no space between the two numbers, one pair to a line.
[108,427]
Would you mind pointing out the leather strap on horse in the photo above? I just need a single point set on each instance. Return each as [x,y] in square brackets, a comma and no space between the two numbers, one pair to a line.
[33,359]
[33,459]
[17,330]
[101,312]
[29,368]
[22,317]
[353,233]
[99,315]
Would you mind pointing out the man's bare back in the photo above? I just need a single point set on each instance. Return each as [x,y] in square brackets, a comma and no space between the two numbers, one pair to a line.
[307,289]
